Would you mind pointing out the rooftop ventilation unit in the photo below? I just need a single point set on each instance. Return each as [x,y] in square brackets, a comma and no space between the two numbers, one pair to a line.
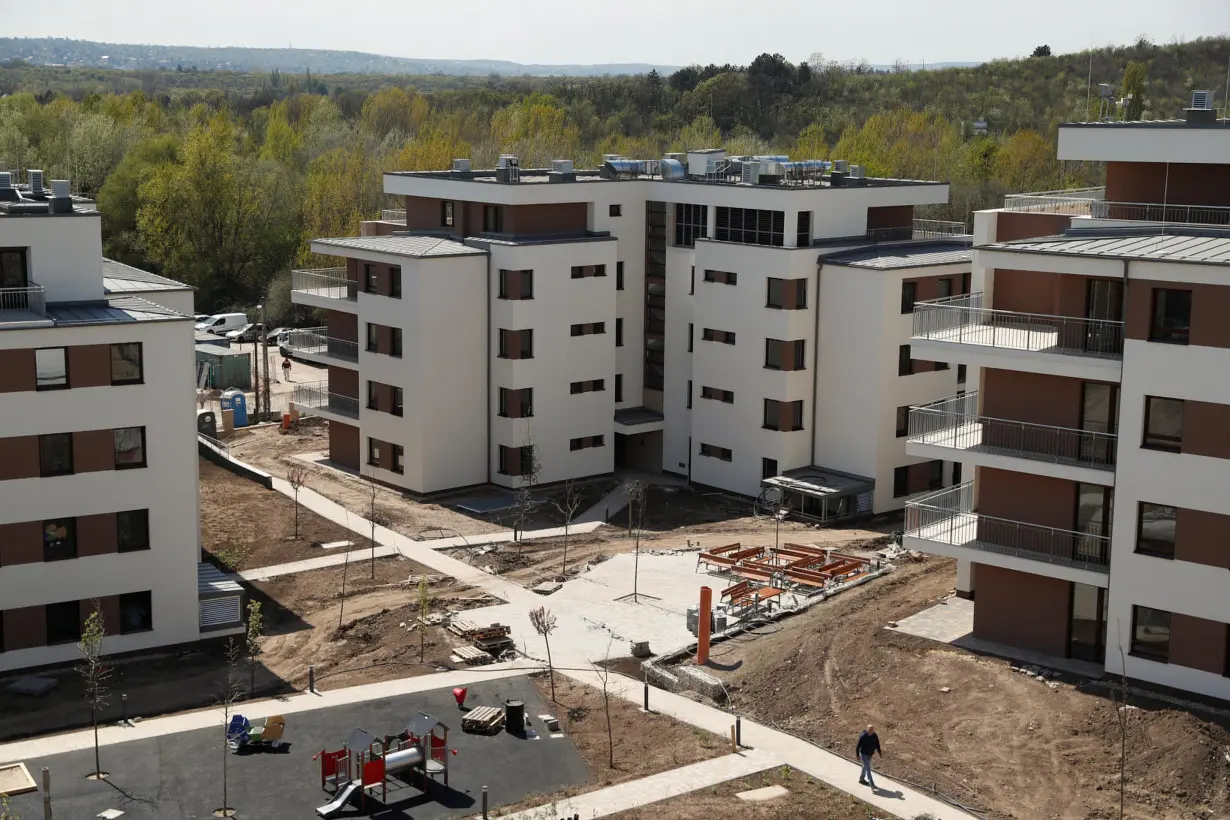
[858,172]
[750,173]
[508,169]
[609,157]
[681,158]
[673,168]
[7,192]
[563,166]
[461,165]
[61,197]
[841,166]
[1201,111]
[35,178]
[705,161]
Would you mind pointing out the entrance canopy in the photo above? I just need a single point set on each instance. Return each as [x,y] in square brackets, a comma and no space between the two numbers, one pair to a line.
[820,494]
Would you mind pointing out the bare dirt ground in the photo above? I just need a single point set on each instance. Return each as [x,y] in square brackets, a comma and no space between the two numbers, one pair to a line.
[808,800]
[997,740]
[244,526]
[644,744]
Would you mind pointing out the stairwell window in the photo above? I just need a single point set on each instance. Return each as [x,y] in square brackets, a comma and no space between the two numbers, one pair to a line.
[586,442]
[446,214]
[691,223]
[722,277]
[713,451]
[725,337]
[619,276]
[619,387]
[619,332]
[589,329]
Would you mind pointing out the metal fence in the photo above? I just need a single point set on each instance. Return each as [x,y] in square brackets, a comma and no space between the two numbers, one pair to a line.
[955,422]
[397,215]
[919,229]
[1075,201]
[317,397]
[1156,212]
[963,320]
[315,340]
[31,299]
[947,516]
[330,283]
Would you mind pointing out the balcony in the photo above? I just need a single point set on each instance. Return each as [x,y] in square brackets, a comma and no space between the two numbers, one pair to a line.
[958,329]
[315,345]
[1092,202]
[25,304]
[324,288]
[397,215]
[944,523]
[952,430]
[317,398]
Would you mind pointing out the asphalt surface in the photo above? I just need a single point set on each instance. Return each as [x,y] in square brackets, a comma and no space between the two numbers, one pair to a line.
[180,776]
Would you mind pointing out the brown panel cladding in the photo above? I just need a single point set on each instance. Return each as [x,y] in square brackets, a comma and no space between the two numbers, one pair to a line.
[18,457]
[1031,397]
[473,212]
[918,477]
[1202,538]
[890,216]
[1023,610]
[17,371]
[21,543]
[1205,427]
[344,381]
[928,287]
[93,450]
[342,325]
[109,606]
[384,339]
[1197,643]
[425,214]
[1210,307]
[1032,499]
[344,444]
[1051,294]
[97,535]
[25,627]
[1154,182]
[89,365]
[540,220]
[352,270]
[1011,225]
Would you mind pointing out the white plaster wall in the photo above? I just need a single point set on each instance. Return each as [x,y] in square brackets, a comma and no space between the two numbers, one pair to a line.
[1125,143]
[629,231]
[680,308]
[65,253]
[167,486]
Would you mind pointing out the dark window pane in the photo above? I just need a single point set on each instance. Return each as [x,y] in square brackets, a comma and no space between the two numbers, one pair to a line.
[136,613]
[1172,316]
[51,368]
[126,363]
[908,292]
[132,529]
[55,452]
[63,622]
[1151,633]
[903,421]
[901,479]
[59,539]
[1163,423]
[1155,531]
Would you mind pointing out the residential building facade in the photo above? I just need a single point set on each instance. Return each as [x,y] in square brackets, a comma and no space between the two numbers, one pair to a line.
[1093,524]
[696,315]
[98,465]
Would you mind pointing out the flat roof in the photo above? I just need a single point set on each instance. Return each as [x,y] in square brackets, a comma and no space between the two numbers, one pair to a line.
[540,176]
[632,416]
[115,310]
[892,256]
[414,246]
[118,277]
[820,481]
[1202,247]
[1174,123]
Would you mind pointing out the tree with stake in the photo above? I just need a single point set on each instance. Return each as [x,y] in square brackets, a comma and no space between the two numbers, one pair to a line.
[341,610]
[231,692]
[372,489]
[636,519]
[95,672]
[568,505]
[543,620]
[296,477]
[604,673]
[1118,699]
[530,469]
[253,640]
[425,600]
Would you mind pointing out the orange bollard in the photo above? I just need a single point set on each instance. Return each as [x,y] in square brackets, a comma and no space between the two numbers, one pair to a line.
[706,610]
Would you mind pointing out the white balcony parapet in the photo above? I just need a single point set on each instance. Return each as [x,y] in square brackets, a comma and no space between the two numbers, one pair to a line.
[1092,202]
[328,283]
[23,304]
[315,341]
[316,396]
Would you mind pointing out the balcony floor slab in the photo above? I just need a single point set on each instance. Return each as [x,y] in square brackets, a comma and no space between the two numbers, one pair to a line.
[964,443]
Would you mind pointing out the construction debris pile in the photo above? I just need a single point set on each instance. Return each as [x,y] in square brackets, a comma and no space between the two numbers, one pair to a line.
[487,643]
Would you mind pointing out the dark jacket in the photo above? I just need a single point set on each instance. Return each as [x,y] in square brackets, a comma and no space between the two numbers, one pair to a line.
[868,743]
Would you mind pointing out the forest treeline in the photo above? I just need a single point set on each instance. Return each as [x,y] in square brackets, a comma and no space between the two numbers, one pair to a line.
[223,186]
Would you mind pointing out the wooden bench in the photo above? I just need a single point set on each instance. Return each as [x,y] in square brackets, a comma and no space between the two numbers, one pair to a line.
[739,593]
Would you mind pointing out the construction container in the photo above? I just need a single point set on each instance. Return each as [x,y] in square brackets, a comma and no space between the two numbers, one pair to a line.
[227,367]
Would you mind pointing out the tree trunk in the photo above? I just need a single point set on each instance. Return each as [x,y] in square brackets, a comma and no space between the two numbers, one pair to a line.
[564,570]
[97,764]
[550,668]
[296,512]
[373,544]
[252,679]
[610,735]
[422,639]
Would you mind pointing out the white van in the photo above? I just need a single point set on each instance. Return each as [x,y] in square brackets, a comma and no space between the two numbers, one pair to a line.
[223,323]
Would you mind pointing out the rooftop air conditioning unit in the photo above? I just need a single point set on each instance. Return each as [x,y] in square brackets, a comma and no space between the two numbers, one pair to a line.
[858,172]
[841,166]
[563,166]
[508,169]
[7,192]
[35,178]
[1202,100]
[61,197]
[462,165]
[750,173]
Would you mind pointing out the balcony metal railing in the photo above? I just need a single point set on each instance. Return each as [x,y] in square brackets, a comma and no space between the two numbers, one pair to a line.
[317,397]
[329,283]
[954,422]
[397,215]
[963,320]
[947,517]
[22,302]
[919,229]
[1075,201]
[316,341]
[1092,202]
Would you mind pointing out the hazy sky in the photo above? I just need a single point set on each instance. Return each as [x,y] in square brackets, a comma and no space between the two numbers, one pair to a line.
[669,32]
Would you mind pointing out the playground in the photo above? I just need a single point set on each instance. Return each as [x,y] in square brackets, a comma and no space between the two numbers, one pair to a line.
[180,776]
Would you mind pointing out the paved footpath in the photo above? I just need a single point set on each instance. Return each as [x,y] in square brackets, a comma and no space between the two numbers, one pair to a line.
[656,787]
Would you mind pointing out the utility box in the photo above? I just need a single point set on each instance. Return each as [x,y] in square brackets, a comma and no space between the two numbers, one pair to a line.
[237,403]
[207,423]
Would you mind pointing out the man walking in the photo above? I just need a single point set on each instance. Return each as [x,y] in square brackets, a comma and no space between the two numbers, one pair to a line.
[868,744]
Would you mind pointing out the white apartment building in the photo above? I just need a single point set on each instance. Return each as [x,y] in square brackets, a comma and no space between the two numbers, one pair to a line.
[719,318]
[1096,525]
[98,475]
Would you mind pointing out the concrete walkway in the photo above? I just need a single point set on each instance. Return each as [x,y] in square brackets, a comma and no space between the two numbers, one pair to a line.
[655,788]
[617,499]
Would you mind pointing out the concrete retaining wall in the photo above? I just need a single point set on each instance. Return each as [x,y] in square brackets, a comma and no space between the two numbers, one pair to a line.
[219,455]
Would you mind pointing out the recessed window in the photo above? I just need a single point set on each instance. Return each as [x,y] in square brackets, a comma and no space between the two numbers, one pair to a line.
[783,416]
[619,387]
[725,396]
[903,421]
[399,459]
[691,223]
[909,290]
[591,386]
[516,284]
[493,219]
[768,466]
[901,481]
[689,394]
[750,226]
[129,448]
[373,452]
[397,401]
[585,442]
[395,282]
[516,344]
[726,337]
[517,404]
[616,210]
[51,368]
[55,454]
[720,453]
[517,461]
[446,214]
[369,278]
[589,329]
[785,355]
[935,475]
[373,395]
[1163,424]
[373,335]
[619,276]
[619,332]
[1151,633]
[63,622]
[905,364]
[126,363]
[961,374]
[786,294]
[1155,530]
[722,277]
[1172,316]
[692,282]
[136,613]
[132,530]
[691,335]
[588,271]
[803,229]
[59,539]
[395,342]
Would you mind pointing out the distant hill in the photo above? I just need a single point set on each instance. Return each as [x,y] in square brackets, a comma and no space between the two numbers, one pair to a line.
[88,54]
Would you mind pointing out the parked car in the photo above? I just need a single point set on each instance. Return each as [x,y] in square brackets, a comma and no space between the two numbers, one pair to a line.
[275,335]
[247,333]
[200,317]
[223,323]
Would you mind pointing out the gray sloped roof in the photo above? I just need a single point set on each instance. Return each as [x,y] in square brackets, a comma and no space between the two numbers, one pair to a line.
[905,255]
[114,310]
[416,246]
[120,278]
[1210,248]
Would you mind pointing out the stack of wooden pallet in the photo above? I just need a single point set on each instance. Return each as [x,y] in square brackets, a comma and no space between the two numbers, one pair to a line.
[492,639]
[484,719]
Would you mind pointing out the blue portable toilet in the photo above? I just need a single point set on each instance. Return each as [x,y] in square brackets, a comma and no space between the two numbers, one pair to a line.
[237,403]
